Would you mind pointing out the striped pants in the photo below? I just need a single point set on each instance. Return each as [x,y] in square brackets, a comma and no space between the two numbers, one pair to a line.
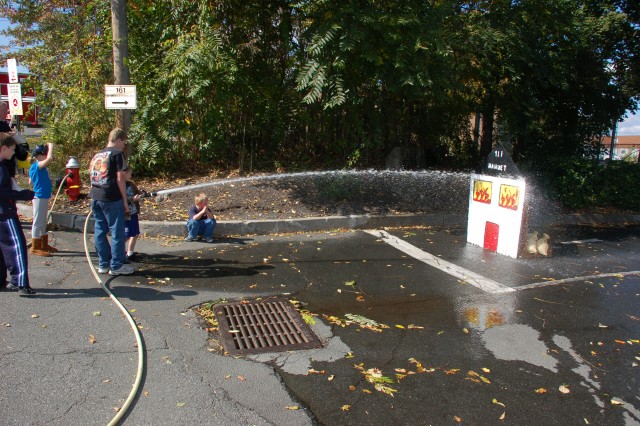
[13,253]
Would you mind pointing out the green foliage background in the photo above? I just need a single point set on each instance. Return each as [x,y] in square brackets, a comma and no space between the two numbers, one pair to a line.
[290,85]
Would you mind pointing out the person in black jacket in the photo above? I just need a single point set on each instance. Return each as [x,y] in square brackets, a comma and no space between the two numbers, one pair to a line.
[13,244]
[4,126]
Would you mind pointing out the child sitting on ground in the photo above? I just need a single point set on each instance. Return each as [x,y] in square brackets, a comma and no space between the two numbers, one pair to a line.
[201,221]
[131,221]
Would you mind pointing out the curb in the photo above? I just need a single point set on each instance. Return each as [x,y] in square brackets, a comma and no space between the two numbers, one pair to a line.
[328,223]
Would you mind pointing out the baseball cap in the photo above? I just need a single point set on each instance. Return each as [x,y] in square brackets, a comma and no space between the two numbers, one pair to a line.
[40,150]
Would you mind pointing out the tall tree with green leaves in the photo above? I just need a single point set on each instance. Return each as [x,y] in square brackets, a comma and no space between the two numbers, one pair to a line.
[67,48]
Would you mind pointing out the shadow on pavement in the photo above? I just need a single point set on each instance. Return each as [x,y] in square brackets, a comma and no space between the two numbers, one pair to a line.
[179,266]
[146,294]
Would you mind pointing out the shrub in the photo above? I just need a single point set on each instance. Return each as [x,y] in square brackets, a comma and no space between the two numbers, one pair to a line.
[581,183]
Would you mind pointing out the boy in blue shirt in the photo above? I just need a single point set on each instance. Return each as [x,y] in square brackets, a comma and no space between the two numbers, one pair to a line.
[39,178]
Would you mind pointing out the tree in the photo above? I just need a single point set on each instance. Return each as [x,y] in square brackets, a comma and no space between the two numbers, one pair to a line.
[68,51]
[266,84]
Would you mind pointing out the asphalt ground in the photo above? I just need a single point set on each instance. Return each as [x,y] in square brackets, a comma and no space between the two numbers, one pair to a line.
[462,335]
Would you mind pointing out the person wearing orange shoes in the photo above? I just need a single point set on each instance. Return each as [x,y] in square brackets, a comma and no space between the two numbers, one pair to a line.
[39,178]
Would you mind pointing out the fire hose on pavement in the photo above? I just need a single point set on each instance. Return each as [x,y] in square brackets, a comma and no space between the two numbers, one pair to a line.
[132,323]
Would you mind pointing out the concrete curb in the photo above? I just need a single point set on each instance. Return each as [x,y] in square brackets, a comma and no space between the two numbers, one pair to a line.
[328,223]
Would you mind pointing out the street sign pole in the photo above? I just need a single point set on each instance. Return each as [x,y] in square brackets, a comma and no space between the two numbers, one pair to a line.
[120,97]
[12,68]
[15,98]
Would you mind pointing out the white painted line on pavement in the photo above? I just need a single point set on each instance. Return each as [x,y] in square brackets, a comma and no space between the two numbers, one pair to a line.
[569,280]
[484,284]
[590,240]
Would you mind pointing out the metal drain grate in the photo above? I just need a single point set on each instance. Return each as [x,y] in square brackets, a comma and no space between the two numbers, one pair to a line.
[266,326]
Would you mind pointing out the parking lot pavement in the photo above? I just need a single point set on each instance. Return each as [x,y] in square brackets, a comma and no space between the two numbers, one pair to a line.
[391,324]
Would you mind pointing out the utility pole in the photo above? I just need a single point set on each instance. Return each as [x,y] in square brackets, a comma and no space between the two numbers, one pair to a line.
[120,30]
[613,139]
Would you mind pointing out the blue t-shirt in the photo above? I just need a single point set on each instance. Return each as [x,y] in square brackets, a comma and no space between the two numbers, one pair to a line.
[40,180]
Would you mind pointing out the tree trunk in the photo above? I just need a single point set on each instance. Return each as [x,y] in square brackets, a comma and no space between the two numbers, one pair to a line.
[120,31]
[486,142]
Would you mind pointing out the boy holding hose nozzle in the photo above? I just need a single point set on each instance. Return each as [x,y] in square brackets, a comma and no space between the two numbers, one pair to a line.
[39,178]
[131,221]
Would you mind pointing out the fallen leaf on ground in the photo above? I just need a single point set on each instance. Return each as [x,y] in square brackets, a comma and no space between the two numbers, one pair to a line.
[345,407]
[541,390]
[92,339]
[617,401]
[564,389]
[495,401]
[293,407]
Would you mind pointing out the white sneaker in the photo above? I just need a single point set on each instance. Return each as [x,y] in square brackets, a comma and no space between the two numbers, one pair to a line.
[123,270]
[103,270]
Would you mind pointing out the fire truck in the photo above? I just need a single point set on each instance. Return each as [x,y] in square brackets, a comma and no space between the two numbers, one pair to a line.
[30,117]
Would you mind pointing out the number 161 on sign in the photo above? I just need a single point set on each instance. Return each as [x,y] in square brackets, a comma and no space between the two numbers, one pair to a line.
[120,96]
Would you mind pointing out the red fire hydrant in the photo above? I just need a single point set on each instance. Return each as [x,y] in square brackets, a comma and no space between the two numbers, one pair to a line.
[73,179]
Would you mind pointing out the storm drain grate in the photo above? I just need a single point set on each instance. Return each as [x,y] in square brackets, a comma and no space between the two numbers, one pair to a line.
[266,326]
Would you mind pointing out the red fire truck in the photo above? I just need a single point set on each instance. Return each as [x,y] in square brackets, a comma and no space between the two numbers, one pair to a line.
[30,117]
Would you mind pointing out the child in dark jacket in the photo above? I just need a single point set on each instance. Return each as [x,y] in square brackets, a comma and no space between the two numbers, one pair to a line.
[132,221]
[13,244]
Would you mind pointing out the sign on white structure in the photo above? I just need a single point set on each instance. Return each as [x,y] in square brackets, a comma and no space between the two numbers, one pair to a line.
[15,99]
[496,206]
[12,67]
[120,97]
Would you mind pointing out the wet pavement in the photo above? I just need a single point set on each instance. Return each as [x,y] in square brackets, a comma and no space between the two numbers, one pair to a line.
[452,333]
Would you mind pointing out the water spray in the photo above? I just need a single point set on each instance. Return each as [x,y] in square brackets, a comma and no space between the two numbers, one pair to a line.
[62,183]
[330,173]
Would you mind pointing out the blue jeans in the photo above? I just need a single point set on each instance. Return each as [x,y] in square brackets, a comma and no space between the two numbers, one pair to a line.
[201,227]
[109,216]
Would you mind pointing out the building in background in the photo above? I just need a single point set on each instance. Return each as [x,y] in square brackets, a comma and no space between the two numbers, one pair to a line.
[30,117]
[627,147]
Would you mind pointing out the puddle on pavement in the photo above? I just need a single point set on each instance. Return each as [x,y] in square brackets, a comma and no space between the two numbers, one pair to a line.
[518,342]
[299,362]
